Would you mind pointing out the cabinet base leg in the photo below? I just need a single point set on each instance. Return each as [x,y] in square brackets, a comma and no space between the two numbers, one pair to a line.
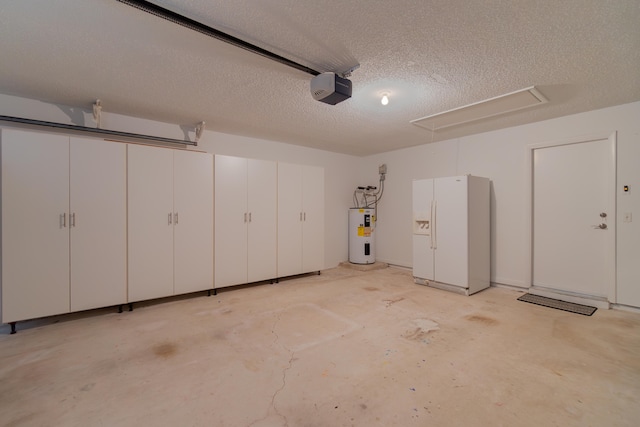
[318,272]
[130,306]
[215,291]
[13,327]
[277,280]
[120,308]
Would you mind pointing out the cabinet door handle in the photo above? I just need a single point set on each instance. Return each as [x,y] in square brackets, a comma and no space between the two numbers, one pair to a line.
[300,216]
[169,220]
[63,220]
[245,217]
[176,220]
[249,216]
[304,216]
[72,220]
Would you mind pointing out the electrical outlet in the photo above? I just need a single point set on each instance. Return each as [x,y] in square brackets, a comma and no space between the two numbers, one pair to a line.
[626,217]
[382,169]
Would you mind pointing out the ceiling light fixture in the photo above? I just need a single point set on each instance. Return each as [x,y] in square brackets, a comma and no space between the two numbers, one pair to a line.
[385,99]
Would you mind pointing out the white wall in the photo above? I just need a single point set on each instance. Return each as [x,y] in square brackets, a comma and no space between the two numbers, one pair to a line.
[501,156]
[340,174]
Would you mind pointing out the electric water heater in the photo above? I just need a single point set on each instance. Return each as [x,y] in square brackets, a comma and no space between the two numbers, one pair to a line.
[362,248]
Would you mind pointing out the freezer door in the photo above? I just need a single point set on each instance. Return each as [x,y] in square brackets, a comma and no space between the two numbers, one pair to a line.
[451,231]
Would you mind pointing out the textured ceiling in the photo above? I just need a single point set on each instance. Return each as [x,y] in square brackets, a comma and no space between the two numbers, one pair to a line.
[428,55]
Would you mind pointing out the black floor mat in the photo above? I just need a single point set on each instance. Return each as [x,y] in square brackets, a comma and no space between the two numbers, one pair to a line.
[585,310]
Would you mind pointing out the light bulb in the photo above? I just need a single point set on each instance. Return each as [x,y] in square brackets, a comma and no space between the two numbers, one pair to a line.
[384,100]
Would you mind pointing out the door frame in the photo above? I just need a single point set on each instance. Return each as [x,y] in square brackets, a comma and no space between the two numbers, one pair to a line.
[611,259]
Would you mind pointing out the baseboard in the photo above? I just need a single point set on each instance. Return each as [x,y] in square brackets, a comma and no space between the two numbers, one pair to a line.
[623,307]
[395,263]
[508,286]
[401,267]
[510,282]
[364,267]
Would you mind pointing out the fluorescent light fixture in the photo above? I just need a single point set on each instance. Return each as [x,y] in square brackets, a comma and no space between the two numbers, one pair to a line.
[502,104]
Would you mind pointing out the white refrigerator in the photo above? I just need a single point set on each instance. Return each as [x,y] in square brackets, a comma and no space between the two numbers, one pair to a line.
[451,233]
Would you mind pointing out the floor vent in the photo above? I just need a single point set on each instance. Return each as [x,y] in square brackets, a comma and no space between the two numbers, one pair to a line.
[572,307]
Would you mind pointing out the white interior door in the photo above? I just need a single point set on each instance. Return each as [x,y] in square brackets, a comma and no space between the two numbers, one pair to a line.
[98,183]
[35,220]
[574,217]
[193,221]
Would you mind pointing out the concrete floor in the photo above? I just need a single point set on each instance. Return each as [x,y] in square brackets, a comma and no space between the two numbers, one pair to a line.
[346,348]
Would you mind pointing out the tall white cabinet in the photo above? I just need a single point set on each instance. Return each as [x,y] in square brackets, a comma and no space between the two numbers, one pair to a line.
[451,233]
[300,219]
[63,224]
[245,220]
[193,221]
[170,239]
[88,223]
[98,188]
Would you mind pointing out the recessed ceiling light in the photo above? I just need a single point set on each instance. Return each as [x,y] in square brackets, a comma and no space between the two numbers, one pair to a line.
[385,99]
[514,101]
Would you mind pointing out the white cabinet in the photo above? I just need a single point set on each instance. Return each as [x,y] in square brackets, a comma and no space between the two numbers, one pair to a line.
[451,233]
[35,233]
[65,206]
[63,224]
[300,219]
[150,199]
[193,222]
[312,219]
[170,214]
[262,205]
[245,220]
[98,209]
[230,221]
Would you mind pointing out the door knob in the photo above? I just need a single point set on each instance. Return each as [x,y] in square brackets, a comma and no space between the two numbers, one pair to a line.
[601,226]
[603,215]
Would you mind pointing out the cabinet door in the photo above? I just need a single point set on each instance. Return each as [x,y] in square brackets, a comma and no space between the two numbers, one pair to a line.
[231,218]
[193,221]
[313,219]
[35,233]
[262,227]
[150,237]
[289,219]
[98,223]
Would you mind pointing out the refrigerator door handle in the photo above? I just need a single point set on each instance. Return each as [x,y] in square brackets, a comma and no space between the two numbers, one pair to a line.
[434,224]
